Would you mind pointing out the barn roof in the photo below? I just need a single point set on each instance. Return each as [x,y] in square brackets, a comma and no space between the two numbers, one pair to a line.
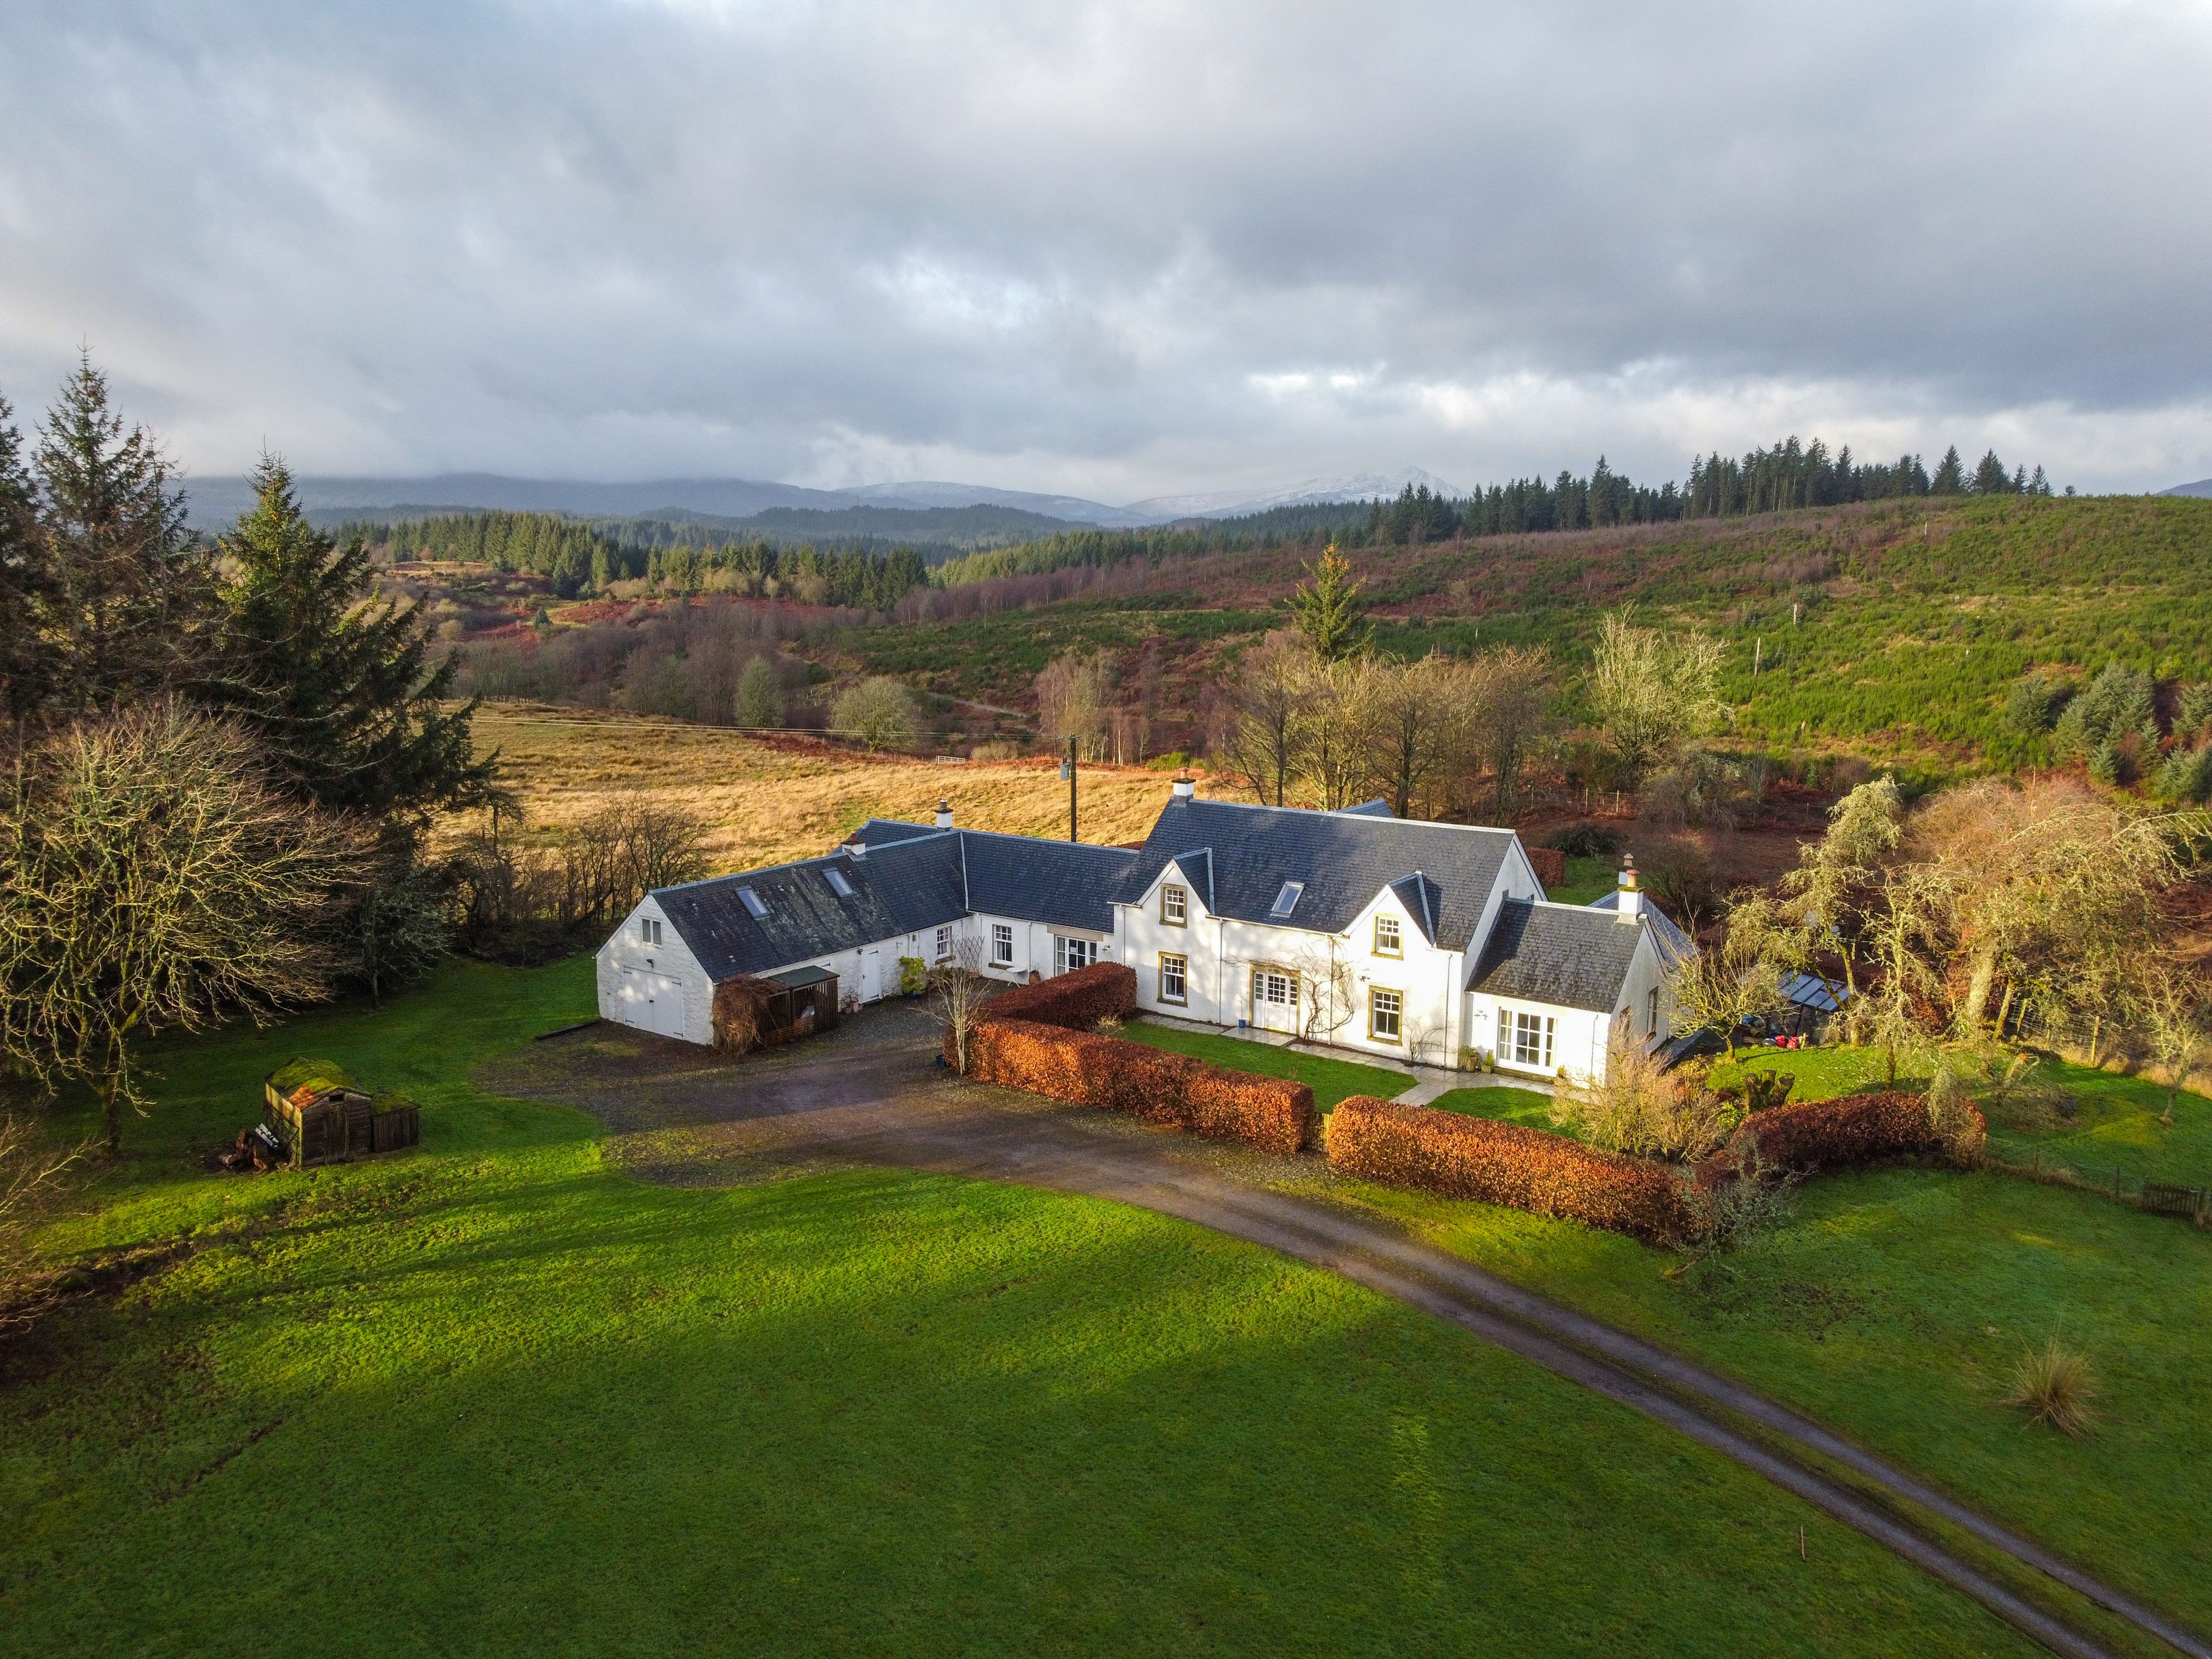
[1568,955]
[895,888]
[1344,859]
[908,878]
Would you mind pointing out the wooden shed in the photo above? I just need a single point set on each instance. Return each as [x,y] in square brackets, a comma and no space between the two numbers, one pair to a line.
[752,1013]
[322,1117]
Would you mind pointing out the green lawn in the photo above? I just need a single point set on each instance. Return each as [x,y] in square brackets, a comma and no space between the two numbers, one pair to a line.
[1522,1106]
[1331,1080]
[1587,879]
[492,1397]
[1896,1306]
[2116,1122]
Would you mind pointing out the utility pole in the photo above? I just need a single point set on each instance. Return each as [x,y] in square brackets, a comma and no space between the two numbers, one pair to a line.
[1067,771]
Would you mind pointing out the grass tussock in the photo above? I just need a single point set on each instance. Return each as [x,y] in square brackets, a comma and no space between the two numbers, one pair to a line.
[2056,1387]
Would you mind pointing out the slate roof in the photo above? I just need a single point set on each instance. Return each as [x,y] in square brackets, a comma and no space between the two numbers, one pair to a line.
[897,888]
[1570,955]
[1344,859]
[1674,945]
[1423,902]
[1030,878]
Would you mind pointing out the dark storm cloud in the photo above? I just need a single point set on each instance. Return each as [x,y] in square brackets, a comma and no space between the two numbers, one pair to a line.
[1113,251]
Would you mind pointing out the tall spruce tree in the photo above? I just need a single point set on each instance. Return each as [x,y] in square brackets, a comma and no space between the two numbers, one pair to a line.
[23,581]
[1327,611]
[124,609]
[343,699]
[342,694]
[1950,477]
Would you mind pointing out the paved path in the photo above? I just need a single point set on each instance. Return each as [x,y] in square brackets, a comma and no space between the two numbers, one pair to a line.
[869,1094]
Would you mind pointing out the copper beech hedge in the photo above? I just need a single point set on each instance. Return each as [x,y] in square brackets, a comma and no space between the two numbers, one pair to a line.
[1831,1134]
[1076,1000]
[1174,1090]
[1504,1163]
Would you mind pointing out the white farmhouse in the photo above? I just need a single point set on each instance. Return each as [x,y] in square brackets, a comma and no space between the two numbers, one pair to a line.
[1421,941]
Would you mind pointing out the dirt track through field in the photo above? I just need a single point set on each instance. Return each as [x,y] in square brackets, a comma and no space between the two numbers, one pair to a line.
[870,1094]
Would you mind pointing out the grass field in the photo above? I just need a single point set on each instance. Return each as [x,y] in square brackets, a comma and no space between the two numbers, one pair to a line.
[493,1398]
[770,802]
[1331,1080]
[2117,1121]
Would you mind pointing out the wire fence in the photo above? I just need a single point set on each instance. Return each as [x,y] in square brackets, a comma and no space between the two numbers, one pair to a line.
[2121,1185]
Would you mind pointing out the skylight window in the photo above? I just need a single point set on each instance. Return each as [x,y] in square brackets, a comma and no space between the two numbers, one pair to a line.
[1287,900]
[751,900]
[838,884]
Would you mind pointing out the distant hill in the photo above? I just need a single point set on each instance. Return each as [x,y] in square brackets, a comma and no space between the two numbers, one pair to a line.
[216,502]
[2202,487]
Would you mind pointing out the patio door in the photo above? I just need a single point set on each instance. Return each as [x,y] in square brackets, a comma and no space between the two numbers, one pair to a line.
[1275,1000]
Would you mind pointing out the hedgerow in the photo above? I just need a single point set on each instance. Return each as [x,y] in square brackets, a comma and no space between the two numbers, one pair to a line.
[1829,1134]
[1504,1163]
[1272,1114]
[1076,1000]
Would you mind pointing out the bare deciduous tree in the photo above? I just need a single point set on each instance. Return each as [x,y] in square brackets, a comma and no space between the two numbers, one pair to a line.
[1636,1107]
[1652,689]
[2046,873]
[1074,697]
[1270,696]
[957,989]
[2174,1012]
[1719,990]
[154,882]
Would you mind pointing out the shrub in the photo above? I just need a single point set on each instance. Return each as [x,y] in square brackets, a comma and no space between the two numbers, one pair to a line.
[1504,1163]
[914,976]
[1176,1091]
[2055,1387]
[1818,1134]
[1763,1091]
[1637,1108]
[1586,841]
[1550,864]
[1076,1000]
[741,1013]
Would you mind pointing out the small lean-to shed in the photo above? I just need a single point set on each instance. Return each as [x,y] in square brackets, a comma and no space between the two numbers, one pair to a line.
[322,1117]
[755,1012]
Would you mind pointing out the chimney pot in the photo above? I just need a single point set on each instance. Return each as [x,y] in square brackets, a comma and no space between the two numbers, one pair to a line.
[1184,788]
[945,813]
[1628,903]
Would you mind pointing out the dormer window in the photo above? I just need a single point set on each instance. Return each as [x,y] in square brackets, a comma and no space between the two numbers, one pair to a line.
[1287,900]
[1175,905]
[838,884]
[1389,941]
[751,900]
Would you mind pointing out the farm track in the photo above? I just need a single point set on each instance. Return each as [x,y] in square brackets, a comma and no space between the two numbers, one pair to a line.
[870,1094]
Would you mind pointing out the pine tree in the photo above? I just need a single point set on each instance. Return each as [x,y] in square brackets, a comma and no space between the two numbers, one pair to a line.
[128,594]
[24,657]
[1990,477]
[1327,611]
[1950,477]
[342,696]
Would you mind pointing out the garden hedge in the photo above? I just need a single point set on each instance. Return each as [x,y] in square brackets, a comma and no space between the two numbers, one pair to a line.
[1504,1163]
[1076,1000]
[1272,1114]
[1829,1134]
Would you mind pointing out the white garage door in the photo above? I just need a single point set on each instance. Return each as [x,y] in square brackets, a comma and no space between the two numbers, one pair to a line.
[652,1002]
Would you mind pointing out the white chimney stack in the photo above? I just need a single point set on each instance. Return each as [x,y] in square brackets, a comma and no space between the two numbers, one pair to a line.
[1185,789]
[944,812]
[1628,904]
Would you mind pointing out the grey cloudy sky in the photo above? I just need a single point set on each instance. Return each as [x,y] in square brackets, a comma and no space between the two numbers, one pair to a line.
[1113,251]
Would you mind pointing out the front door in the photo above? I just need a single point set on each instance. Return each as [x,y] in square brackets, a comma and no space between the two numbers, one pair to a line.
[872,975]
[652,1002]
[1275,1000]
